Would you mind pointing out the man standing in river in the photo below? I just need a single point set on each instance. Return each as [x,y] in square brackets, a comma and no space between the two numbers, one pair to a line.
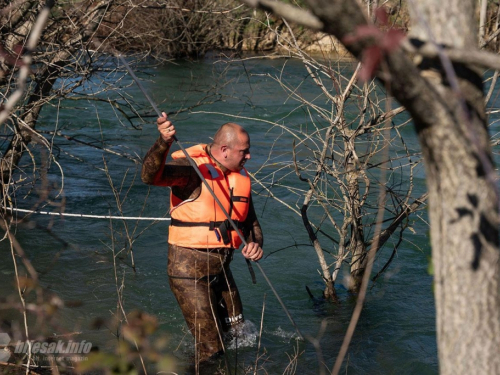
[201,241]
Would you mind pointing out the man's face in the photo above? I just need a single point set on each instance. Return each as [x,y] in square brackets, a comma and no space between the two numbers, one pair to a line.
[238,154]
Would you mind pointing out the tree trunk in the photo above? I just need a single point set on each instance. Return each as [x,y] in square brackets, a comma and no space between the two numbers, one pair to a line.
[357,244]
[329,291]
[463,206]
[482,20]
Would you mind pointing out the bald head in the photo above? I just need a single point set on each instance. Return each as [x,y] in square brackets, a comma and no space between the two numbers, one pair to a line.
[231,146]
[228,134]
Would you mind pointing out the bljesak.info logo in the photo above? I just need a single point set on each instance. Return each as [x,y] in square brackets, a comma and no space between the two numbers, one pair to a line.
[59,347]
[72,350]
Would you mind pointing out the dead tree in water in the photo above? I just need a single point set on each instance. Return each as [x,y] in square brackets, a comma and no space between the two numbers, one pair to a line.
[339,152]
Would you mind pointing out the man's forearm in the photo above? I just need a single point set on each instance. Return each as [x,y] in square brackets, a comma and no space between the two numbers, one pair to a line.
[253,232]
[154,162]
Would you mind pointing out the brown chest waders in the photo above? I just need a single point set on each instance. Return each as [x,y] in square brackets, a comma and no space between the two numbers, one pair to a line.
[206,292]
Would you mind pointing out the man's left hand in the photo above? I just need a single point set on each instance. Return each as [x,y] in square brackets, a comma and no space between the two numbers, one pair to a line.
[252,251]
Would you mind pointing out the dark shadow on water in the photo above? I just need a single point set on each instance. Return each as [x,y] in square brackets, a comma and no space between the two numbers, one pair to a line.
[321,306]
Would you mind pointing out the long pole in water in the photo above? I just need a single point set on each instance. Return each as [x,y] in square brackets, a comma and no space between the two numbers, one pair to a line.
[195,166]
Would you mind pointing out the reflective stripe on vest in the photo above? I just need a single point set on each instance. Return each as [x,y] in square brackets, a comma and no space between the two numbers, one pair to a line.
[205,209]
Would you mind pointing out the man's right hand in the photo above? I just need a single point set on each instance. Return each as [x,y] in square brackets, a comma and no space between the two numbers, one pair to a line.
[166,128]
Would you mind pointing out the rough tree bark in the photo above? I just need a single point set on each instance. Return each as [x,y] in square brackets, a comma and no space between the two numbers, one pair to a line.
[449,117]
[463,202]
[358,259]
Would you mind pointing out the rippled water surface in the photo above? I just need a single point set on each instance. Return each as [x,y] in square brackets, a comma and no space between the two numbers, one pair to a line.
[396,331]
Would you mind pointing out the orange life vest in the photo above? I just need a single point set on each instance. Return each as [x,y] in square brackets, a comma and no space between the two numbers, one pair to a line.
[195,223]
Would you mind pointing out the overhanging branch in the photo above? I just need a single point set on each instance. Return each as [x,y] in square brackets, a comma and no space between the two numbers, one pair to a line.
[288,12]
[470,57]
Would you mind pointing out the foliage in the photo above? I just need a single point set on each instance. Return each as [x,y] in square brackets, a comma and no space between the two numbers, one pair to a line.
[133,347]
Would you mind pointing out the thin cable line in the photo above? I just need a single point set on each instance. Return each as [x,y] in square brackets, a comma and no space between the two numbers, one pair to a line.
[87,216]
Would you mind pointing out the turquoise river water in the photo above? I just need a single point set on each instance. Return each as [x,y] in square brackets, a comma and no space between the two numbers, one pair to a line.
[396,332]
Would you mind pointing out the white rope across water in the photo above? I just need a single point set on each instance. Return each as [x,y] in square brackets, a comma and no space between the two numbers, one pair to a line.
[88,216]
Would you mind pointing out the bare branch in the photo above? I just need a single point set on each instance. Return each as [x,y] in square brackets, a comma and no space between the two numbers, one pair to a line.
[472,57]
[26,61]
[289,12]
